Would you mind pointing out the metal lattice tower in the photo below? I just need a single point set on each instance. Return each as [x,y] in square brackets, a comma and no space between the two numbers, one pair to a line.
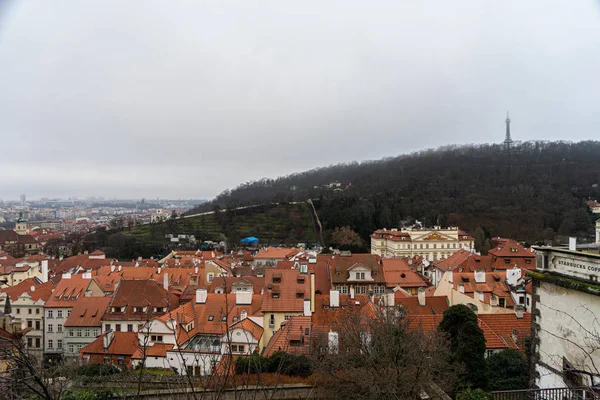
[508,140]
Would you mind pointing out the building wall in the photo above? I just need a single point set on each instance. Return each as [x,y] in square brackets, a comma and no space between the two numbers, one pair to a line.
[429,249]
[78,337]
[563,316]
[54,341]
[270,329]
[446,288]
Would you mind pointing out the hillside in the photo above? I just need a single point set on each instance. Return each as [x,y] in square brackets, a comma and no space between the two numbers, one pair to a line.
[285,223]
[535,192]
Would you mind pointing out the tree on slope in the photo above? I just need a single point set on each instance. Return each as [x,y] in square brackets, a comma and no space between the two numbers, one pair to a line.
[467,344]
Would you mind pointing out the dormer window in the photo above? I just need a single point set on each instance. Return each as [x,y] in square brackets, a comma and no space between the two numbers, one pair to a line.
[275,295]
[224,319]
[507,261]
[159,309]
[360,275]
[276,279]
[117,309]
[138,309]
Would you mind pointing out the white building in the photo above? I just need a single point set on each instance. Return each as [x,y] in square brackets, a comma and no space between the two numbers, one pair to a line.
[430,243]
[566,312]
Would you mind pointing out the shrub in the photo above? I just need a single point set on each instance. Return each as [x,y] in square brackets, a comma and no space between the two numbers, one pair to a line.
[473,394]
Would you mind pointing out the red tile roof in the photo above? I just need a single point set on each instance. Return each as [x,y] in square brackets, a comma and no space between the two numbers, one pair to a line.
[68,291]
[397,272]
[123,344]
[285,290]
[291,338]
[340,265]
[276,253]
[509,248]
[138,293]
[41,290]
[434,305]
[156,350]
[249,326]
[88,311]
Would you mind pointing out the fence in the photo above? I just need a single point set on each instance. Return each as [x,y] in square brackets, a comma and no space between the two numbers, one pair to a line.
[547,394]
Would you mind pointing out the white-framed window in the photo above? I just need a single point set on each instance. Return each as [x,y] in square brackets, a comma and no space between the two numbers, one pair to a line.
[50,344]
[361,290]
[78,332]
[59,314]
[360,275]
[156,338]
[59,344]
[50,314]
[87,332]
[210,277]
[50,328]
[59,328]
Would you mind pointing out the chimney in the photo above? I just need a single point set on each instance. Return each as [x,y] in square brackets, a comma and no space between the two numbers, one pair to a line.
[66,275]
[201,295]
[352,292]
[243,298]
[312,293]
[334,298]
[120,267]
[450,277]
[166,281]
[479,276]
[519,311]
[513,275]
[421,296]
[389,299]
[515,336]
[158,270]
[32,289]
[44,271]
[86,275]
[307,312]
[196,270]
[107,339]
[140,258]
[573,243]
[461,287]
[112,268]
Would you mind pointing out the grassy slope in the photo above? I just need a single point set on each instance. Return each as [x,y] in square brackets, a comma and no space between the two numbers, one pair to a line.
[289,223]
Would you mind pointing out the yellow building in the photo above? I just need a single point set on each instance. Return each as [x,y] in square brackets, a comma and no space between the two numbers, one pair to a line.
[430,243]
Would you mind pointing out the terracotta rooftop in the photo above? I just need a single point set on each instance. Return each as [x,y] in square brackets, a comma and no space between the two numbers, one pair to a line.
[285,290]
[41,290]
[123,344]
[397,272]
[133,294]
[68,291]
[275,253]
[434,305]
[340,265]
[88,311]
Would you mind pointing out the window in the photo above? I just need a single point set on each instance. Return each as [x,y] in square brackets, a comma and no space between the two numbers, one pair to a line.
[272,321]
[37,343]
[156,338]
[361,290]
[50,314]
[120,360]
[379,289]
[528,301]
[59,314]
[18,311]
[29,342]
[275,295]
[37,311]
[507,261]
[211,317]
[59,328]
[502,302]
[37,325]
[29,323]
[117,309]
[521,300]
[129,327]
[360,275]
[59,343]
[71,348]
[68,313]
[235,348]
[78,332]
[421,245]
[343,289]
[106,327]
[426,245]
[50,344]
[118,327]
[71,332]
[138,309]
[159,309]
[210,277]
[29,311]
[87,332]
[50,328]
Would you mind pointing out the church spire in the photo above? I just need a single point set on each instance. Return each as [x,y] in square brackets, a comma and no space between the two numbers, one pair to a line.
[508,140]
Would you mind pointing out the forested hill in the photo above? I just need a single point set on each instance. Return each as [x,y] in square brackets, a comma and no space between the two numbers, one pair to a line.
[533,192]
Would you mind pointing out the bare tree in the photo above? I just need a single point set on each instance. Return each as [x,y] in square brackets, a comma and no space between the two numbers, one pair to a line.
[381,356]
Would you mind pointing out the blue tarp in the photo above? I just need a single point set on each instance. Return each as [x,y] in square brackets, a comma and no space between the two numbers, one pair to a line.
[250,239]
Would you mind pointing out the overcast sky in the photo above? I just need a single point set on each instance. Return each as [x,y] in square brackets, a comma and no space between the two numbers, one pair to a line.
[183,99]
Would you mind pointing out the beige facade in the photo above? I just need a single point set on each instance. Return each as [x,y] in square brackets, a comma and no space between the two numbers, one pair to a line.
[430,243]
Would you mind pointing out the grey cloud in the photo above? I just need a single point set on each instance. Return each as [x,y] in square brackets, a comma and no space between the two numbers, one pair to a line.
[185,99]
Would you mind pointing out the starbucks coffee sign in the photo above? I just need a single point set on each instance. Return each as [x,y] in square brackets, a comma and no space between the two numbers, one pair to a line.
[578,266]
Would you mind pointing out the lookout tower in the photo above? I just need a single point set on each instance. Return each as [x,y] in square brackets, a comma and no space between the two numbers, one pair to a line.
[508,140]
